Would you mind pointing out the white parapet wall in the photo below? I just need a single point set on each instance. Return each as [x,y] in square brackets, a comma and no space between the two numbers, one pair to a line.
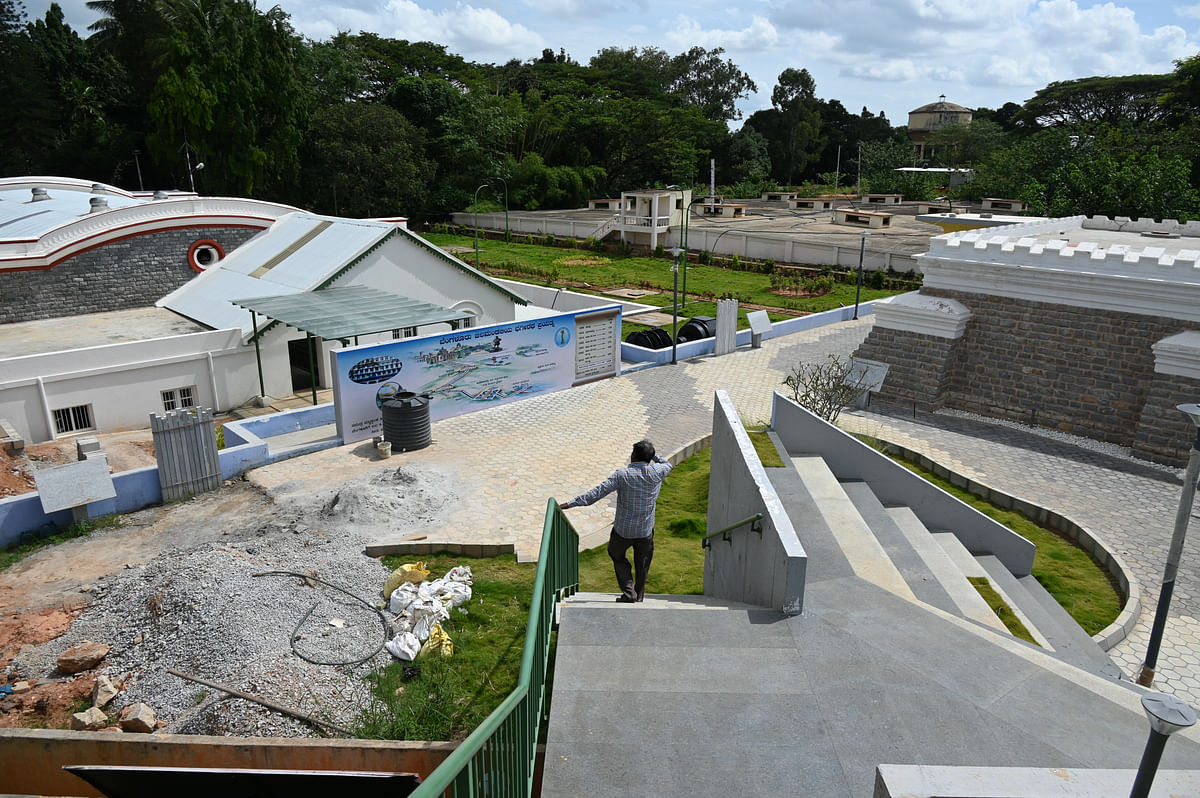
[767,568]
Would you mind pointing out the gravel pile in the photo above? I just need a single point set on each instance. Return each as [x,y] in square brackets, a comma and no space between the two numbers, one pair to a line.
[204,611]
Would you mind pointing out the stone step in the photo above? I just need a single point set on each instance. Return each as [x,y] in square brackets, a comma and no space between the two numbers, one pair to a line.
[654,601]
[1053,626]
[1017,598]
[966,599]
[825,557]
[862,550]
[900,550]
[967,566]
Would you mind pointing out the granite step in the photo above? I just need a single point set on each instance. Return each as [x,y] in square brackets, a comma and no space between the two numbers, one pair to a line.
[966,599]
[900,550]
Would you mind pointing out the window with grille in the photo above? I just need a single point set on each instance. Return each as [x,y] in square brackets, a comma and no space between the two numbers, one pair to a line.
[72,419]
[178,398]
[407,332]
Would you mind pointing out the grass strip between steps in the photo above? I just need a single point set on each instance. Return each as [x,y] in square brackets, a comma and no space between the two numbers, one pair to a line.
[999,606]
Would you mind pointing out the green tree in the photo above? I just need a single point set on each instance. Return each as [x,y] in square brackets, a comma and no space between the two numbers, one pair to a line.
[792,126]
[365,159]
[1129,99]
[702,79]
[965,144]
[230,89]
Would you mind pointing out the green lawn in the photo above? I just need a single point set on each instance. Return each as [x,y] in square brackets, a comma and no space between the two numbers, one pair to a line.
[603,270]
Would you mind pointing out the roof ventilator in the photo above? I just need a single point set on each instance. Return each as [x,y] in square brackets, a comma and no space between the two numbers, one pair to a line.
[160,194]
[98,204]
[40,194]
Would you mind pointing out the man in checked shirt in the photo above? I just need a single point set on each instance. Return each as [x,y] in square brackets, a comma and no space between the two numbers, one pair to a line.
[637,486]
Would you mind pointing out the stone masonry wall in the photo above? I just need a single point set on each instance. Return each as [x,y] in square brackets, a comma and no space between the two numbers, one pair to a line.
[920,366]
[1081,370]
[130,273]
[1164,435]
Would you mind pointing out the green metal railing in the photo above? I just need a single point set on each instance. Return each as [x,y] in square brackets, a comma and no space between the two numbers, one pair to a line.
[755,526]
[497,760]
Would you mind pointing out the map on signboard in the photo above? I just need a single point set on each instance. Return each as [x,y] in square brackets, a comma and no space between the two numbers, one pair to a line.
[867,373]
[74,484]
[759,323]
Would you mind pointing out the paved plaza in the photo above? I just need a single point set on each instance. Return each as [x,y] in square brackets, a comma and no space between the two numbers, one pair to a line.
[508,460]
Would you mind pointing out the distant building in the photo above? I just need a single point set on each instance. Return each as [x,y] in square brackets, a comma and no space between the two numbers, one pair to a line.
[925,121]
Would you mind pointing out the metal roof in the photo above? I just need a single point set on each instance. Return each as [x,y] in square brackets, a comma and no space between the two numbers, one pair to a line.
[334,313]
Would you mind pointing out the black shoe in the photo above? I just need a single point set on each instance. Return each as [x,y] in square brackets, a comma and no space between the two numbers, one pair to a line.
[623,599]
[641,598]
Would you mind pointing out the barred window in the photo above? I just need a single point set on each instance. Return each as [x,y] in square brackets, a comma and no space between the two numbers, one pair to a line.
[179,398]
[72,419]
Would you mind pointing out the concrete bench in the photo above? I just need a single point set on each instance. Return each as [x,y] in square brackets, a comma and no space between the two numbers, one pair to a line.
[882,199]
[603,204]
[856,218]
[778,196]
[810,204]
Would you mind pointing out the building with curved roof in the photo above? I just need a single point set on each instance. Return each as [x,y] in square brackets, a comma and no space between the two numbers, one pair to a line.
[925,121]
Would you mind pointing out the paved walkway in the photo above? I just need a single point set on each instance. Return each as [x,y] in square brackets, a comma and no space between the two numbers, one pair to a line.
[500,465]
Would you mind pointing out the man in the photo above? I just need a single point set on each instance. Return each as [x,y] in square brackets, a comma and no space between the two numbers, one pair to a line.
[637,486]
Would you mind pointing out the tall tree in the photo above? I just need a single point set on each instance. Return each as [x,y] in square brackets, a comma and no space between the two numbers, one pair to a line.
[702,79]
[1130,99]
[792,126]
[229,89]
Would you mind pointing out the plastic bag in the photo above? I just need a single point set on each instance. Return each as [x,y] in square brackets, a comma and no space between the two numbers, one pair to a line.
[438,643]
[409,572]
[404,646]
[426,614]
[452,594]
[404,595]
[460,573]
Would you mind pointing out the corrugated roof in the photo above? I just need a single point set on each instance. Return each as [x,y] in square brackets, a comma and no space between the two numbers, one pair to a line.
[20,218]
[346,312]
[299,252]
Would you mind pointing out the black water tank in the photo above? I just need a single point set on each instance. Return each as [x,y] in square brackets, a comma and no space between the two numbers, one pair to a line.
[406,421]
[696,328]
[654,338]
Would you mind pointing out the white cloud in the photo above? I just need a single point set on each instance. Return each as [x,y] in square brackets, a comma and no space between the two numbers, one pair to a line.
[1188,12]
[686,33]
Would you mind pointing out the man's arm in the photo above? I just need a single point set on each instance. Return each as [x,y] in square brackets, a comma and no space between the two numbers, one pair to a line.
[594,495]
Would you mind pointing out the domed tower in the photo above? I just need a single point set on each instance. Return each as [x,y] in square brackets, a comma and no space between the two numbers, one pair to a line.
[928,119]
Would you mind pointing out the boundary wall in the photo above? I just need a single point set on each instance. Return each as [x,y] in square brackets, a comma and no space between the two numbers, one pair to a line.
[753,245]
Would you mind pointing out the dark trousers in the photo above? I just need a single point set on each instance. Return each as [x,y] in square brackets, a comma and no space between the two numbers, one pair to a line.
[643,553]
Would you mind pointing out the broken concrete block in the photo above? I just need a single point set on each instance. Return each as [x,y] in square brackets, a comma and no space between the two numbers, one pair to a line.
[103,691]
[138,718]
[91,719]
[21,687]
[82,657]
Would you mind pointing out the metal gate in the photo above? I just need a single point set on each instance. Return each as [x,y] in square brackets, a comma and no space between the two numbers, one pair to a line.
[185,444]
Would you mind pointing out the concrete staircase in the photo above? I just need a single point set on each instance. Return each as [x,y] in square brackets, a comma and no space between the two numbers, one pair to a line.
[891,547]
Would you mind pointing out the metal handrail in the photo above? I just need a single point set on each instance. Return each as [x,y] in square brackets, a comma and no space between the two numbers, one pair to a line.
[753,521]
[498,758]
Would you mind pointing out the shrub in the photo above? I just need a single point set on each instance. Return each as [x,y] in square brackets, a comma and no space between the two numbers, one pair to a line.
[735,263]
[876,279]
[658,251]
[550,240]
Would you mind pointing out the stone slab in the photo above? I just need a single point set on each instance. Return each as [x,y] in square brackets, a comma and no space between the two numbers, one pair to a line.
[75,484]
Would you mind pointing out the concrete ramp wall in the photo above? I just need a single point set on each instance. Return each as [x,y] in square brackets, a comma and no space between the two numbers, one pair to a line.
[803,432]
[767,569]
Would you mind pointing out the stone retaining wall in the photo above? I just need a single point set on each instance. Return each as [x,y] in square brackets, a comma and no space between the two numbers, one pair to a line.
[130,273]
[1085,371]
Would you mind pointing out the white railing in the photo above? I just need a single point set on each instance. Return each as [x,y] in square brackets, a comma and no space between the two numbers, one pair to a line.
[606,227]
[657,222]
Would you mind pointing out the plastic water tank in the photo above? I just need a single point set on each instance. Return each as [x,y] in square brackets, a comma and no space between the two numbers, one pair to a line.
[654,338]
[406,422]
[696,328]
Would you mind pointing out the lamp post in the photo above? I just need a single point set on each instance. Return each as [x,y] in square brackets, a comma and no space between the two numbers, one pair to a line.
[505,182]
[1167,715]
[676,252]
[475,205]
[862,251]
[1188,495]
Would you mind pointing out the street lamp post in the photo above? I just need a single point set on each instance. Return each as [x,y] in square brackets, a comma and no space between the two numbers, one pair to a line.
[676,252]
[686,210]
[1188,495]
[475,205]
[862,251]
[1167,715]
[505,182]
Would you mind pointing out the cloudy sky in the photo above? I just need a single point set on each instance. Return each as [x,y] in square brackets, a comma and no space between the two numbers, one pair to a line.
[889,55]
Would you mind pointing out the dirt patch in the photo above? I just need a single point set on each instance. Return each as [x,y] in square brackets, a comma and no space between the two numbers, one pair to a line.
[582,261]
[48,704]
[125,451]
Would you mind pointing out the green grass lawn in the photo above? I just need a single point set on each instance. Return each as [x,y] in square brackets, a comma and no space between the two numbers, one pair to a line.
[603,270]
